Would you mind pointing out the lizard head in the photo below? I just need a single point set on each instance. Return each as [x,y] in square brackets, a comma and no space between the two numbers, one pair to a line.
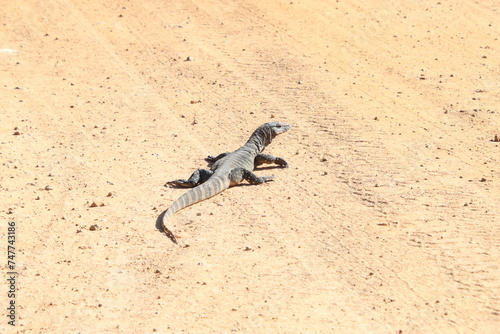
[267,132]
[277,128]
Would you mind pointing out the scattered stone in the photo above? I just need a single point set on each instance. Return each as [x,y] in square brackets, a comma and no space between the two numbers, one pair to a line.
[93,205]
[496,139]
[48,188]
[110,194]
[94,227]
[189,58]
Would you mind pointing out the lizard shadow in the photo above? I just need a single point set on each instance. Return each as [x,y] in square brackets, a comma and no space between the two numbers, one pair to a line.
[269,167]
[159,226]
[159,221]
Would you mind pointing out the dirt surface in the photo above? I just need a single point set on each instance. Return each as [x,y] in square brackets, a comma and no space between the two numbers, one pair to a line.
[387,220]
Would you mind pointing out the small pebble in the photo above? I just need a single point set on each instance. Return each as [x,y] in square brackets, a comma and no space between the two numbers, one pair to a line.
[48,188]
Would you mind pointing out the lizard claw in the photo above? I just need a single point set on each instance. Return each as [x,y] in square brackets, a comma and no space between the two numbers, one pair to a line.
[268,178]
[179,183]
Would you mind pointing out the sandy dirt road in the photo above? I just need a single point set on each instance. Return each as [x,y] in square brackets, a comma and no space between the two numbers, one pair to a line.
[387,220]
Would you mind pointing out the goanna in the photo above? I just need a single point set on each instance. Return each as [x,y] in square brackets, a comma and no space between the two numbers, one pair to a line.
[228,169]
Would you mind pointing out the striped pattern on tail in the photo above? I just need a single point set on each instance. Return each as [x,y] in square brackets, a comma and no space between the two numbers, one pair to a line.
[211,187]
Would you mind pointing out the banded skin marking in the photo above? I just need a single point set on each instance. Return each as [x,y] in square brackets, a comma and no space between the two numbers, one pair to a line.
[228,169]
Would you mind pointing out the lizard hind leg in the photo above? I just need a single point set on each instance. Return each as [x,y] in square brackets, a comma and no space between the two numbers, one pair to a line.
[251,177]
[213,159]
[197,178]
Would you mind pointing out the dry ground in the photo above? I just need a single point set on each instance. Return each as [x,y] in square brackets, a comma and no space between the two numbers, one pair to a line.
[387,220]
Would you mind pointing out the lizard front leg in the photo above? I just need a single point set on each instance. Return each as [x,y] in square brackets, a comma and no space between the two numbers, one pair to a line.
[269,159]
[198,177]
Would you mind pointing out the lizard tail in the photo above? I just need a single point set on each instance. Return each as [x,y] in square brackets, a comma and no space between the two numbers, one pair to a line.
[210,188]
